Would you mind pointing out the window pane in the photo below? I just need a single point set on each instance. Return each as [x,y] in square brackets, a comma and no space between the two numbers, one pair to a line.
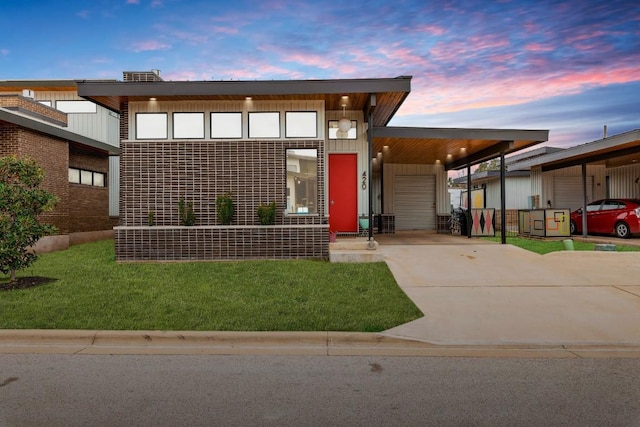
[351,133]
[188,125]
[47,103]
[98,179]
[226,125]
[301,124]
[76,106]
[86,177]
[264,125]
[74,176]
[151,126]
[302,181]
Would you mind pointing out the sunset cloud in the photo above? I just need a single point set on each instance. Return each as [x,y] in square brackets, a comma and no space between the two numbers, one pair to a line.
[149,45]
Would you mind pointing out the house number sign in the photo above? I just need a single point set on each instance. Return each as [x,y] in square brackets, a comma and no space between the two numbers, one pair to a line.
[364,180]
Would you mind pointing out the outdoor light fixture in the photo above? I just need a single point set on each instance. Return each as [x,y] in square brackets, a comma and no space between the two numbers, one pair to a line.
[344,124]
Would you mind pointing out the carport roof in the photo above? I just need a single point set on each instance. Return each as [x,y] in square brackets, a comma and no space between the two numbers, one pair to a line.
[453,147]
[616,150]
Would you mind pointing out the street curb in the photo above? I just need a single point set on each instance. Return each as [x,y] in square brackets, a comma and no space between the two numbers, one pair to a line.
[88,342]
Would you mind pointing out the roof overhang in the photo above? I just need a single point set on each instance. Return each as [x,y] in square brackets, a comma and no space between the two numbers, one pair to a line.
[24,121]
[452,147]
[616,150]
[390,92]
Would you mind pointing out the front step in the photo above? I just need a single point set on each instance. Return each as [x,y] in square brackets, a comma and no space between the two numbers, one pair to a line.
[355,256]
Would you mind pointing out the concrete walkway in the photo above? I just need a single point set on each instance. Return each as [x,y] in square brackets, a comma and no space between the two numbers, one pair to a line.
[491,294]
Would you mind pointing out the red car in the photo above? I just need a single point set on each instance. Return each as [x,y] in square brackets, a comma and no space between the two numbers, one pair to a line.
[609,216]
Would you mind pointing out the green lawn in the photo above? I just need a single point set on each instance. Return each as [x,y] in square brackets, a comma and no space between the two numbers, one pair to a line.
[91,291]
[545,246]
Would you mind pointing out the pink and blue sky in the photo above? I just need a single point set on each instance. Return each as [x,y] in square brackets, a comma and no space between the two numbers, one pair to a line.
[567,66]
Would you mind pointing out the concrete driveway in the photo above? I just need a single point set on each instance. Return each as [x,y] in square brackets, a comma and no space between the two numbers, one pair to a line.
[476,293]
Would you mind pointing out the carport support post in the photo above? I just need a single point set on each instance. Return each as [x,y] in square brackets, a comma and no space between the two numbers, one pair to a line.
[503,203]
[372,106]
[468,212]
[584,200]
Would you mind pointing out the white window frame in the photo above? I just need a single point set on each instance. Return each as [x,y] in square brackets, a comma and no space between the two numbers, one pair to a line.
[229,127]
[264,124]
[157,121]
[301,124]
[192,129]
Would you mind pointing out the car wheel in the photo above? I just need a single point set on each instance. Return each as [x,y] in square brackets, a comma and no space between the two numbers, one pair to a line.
[573,228]
[622,230]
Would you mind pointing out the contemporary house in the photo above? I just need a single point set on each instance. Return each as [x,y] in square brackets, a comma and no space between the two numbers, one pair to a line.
[72,139]
[321,150]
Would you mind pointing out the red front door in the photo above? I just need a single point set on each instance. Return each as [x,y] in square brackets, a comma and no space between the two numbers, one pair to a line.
[343,192]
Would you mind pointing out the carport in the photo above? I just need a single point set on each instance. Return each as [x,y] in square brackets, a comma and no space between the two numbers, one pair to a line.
[620,153]
[449,149]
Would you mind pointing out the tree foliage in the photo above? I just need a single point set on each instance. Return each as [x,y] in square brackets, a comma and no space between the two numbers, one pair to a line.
[491,165]
[21,202]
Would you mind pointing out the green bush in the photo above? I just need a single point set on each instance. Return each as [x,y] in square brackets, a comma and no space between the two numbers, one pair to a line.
[185,210]
[21,202]
[224,207]
[267,213]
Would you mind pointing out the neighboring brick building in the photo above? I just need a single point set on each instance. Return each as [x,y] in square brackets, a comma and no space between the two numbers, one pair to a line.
[74,156]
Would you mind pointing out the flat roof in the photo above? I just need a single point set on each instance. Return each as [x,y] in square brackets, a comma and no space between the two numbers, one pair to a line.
[453,147]
[28,122]
[390,92]
[624,147]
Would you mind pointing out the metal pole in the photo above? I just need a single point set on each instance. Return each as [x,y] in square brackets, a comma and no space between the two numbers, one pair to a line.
[468,212]
[584,200]
[370,144]
[503,204]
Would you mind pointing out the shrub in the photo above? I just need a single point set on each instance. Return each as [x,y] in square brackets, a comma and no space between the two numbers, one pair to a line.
[267,213]
[224,207]
[185,210]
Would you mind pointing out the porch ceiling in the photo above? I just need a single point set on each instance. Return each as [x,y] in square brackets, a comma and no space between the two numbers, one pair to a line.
[455,148]
[390,92]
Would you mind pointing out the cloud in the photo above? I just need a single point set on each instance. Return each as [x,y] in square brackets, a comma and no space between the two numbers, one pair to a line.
[149,45]
[4,52]
[84,14]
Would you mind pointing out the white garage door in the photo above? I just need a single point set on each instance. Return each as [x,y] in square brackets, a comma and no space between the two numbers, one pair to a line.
[415,202]
[567,191]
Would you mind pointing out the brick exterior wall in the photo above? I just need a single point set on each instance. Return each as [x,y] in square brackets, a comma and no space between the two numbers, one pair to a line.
[221,243]
[52,155]
[89,207]
[33,108]
[79,207]
[155,174]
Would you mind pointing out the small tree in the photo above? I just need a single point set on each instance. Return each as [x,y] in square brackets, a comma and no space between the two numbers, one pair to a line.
[21,202]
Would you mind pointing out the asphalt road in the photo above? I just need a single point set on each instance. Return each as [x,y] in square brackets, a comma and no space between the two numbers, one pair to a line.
[74,390]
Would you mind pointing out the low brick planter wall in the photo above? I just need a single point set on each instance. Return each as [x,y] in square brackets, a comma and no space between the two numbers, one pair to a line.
[202,243]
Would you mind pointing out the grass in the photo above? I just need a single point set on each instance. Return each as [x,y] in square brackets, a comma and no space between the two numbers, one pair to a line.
[547,246]
[92,291]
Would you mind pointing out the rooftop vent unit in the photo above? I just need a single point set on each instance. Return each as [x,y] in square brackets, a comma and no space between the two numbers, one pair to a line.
[28,93]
